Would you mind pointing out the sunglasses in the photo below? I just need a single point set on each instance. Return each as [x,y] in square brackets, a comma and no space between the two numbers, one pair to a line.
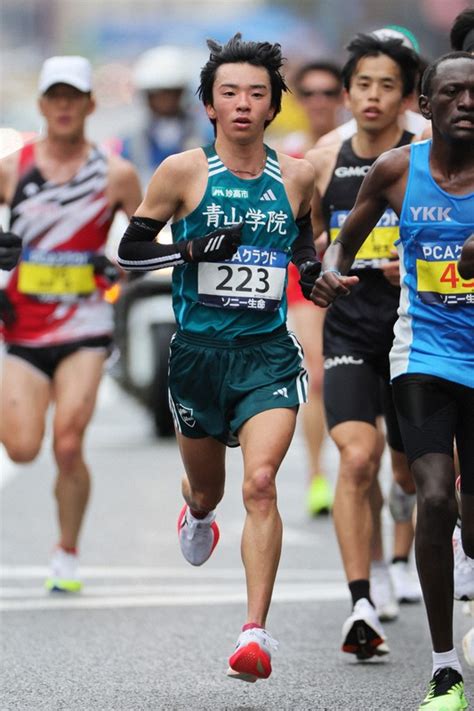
[328,93]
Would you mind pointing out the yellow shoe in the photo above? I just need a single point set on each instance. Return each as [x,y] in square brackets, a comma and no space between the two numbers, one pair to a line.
[64,574]
[445,693]
[319,498]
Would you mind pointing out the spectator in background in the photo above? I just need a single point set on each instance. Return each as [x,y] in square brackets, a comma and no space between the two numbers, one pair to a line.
[162,75]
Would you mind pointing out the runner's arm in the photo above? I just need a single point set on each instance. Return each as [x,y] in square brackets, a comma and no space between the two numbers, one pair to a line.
[466,263]
[139,250]
[369,206]
[303,250]
[127,193]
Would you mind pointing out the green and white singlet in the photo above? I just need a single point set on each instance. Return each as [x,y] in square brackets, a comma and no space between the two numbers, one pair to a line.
[243,296]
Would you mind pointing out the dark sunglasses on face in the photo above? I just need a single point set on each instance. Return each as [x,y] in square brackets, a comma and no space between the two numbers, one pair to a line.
[328,93]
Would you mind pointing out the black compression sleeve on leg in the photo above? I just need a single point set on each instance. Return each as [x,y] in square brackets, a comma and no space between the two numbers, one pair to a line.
[138,250]
[302,249]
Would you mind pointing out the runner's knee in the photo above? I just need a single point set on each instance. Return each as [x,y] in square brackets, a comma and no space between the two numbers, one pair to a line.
[358,465]
[259,489]
[437,509]
[67,451]
[21,450]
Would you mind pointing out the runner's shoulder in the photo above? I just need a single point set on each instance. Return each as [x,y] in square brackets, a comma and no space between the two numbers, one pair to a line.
[322,156]
[392,164]
[298,170]
[186,165]
[120,168]
[9,166]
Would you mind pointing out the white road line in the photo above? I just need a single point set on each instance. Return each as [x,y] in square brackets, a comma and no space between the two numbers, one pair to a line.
[23,572]
[319,592]
[138,590]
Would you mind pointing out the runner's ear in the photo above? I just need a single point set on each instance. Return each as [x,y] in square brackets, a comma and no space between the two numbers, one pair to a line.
[425,106]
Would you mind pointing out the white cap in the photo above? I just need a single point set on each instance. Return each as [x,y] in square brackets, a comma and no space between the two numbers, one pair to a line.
[164,67]
[74,71]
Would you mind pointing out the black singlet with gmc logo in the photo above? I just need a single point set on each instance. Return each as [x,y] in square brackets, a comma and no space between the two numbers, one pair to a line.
[361,323]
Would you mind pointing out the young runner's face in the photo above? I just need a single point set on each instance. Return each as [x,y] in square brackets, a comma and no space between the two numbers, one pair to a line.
[65,110]
[375,93]
[241,101]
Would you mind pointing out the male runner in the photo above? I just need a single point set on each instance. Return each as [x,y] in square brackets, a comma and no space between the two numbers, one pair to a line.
[317,86]
[430,185]
[378,77]
[235,371]
[62,192]
[409,119]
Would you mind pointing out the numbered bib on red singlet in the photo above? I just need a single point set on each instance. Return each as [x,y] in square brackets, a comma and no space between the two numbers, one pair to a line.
[437,277]
[253,279]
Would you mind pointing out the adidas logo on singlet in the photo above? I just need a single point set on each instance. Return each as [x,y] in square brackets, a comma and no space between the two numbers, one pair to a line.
[268,195]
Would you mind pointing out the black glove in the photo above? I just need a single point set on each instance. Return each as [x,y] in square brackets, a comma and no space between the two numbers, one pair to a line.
[105,268]
[309,272]
[10,250]
[7,311]
[214,247]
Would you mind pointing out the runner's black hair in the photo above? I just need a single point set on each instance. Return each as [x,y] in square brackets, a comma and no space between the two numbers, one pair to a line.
[259,54]
[369,45]
[430,72]
[462,25]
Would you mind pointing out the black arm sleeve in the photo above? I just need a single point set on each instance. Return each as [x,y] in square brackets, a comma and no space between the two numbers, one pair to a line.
[138,250]
[302,249]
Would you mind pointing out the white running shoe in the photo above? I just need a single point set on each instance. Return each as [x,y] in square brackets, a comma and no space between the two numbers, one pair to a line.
[405,583]
[251,659]
[197,536]
[468,647]
[362,633]
[463,570]
[64,574]
[382,592]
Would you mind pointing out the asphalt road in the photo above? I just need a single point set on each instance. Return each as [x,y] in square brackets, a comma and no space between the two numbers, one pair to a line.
[151,632]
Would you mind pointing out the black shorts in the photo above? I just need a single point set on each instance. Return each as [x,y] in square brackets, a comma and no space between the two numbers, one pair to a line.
[432,413]
[47,358]
[358,389]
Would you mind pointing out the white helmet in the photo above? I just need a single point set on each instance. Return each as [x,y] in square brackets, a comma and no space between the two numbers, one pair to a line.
[165,67]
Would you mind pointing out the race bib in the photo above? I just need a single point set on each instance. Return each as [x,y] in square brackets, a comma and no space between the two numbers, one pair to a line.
[55,275]
[378,246]
[253,279]
[438,282]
